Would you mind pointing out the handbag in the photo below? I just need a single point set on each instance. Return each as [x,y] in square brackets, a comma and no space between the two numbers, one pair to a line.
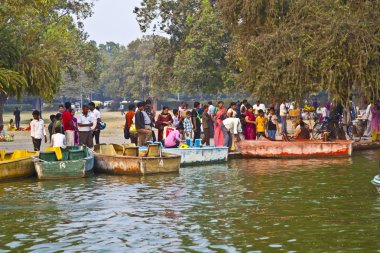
[132,129]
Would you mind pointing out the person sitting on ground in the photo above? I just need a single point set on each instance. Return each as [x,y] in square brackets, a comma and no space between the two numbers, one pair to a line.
[11,126]
[174,138]
[58,140]
[302,133]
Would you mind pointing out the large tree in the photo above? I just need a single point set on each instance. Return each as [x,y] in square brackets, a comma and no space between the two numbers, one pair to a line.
[290,48]
[42,40]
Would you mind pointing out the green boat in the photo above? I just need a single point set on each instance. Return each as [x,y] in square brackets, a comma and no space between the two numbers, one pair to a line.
[74,162]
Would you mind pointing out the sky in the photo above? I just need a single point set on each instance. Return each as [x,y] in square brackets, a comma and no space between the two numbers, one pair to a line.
[113,20]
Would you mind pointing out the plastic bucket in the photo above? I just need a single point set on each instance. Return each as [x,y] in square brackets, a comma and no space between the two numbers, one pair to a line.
[189,142]
[197,143]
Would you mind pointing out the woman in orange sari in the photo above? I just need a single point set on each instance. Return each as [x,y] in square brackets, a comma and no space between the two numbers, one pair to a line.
[219,117]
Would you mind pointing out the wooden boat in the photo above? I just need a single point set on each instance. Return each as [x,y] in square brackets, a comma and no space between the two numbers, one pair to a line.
[201,155]
[17,164]
[376,182]
[76,162]
[117,159]
[295,149]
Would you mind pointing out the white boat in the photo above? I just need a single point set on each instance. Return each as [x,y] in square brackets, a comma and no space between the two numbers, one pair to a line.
[376,182]
[201,155]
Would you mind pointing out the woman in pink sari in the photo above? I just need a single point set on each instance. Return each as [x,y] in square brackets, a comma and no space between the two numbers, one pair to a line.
[250,124]
[375,122]
[219,117]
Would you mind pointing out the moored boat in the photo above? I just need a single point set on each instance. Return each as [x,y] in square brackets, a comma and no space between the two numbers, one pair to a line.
[114,159]
[295,149]
[376,182]
[17,164]
[76,162]
[199,155]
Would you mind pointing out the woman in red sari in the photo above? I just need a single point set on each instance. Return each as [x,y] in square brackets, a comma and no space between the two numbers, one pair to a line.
[163,120]
[220,115]
[250,124]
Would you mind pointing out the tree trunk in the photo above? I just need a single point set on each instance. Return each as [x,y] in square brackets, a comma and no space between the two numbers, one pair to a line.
[3,99]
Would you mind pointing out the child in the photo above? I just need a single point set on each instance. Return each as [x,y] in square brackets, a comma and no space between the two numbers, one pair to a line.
[272,124]
[261,123]
[206,122]
[37,130]
[176,118]
[51,125]
[188,125]
[75,121]
[58,140]
[58,122]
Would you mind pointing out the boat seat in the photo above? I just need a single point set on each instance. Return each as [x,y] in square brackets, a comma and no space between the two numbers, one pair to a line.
[107,150]
[153,150]
[2,155]
[56,150]
[17,154]
[131,151]
[119,149]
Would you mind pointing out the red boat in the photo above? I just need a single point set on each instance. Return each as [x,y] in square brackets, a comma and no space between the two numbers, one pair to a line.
[295,149]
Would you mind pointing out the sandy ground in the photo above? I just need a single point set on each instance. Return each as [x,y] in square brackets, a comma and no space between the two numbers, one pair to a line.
[114,132]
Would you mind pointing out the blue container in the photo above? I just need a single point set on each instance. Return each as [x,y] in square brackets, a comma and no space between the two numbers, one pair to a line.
[197,143]
[189,142]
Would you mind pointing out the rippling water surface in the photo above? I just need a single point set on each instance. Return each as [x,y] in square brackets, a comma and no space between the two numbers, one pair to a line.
[243,206]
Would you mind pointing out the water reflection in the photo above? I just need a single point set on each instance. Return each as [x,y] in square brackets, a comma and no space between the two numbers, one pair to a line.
[243,206]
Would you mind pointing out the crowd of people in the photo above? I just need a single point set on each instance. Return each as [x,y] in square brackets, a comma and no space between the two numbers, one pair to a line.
[67,130]
[206,122]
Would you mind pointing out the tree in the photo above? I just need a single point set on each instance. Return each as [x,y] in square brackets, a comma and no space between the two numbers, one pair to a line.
[288,49]
[42,40]
[139,70]
[200,65]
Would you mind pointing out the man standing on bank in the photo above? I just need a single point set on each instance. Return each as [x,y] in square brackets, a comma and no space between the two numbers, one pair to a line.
[86,124]
[96,114]
[143,126]
[68,125]
[37,130]
[16,113]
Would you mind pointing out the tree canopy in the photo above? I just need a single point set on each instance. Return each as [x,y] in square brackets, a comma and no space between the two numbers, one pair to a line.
[41,41]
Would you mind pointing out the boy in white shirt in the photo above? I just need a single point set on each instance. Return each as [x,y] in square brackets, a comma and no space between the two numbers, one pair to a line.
[86,125]
[37,130]
[58,140]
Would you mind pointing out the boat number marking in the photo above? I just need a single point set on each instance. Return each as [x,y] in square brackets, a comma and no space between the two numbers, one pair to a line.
[62,165]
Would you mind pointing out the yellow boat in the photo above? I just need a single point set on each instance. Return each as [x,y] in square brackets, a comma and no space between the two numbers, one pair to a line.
[18,164]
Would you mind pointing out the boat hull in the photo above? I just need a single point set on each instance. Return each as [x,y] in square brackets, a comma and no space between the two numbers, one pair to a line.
[15,169]
[295,149]
[204,155]
[65,169]
[129,165]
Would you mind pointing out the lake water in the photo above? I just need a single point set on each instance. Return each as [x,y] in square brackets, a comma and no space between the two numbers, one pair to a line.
[243,206]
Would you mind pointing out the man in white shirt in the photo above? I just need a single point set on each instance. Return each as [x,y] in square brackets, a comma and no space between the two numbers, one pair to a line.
[368,116]
[231,126]
[86,125]
[37,130]
[96,114]
[211,112]
[283,114]
[58,139]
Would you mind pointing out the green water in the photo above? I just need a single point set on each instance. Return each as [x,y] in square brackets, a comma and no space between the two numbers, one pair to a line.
[243,206]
